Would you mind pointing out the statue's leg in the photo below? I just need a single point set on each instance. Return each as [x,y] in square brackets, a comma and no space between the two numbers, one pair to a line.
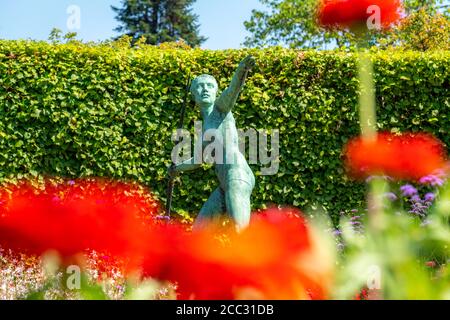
[212,210]
[237,199]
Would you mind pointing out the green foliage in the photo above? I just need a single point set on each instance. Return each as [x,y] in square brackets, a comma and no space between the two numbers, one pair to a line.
[55,35]
[288,22]
[422,31]
[395,251]
[293,23]
[159,21]
[77,110]
[431,6]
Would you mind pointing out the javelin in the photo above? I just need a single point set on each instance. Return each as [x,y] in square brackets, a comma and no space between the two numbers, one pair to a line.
[171,182]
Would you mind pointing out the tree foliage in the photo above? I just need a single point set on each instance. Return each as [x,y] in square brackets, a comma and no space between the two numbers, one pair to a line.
[288,22]
[292,23]
[430,6]
[421,31]
[159,21]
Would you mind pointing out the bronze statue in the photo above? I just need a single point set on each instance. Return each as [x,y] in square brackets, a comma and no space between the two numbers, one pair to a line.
[236,180]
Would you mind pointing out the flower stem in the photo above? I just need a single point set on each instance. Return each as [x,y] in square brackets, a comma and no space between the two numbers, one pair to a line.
[367,113]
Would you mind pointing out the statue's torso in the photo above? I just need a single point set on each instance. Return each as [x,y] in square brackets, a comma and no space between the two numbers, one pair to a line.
[234,166]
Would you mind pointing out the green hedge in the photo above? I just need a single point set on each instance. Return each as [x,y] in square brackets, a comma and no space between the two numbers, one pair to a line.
[104,110]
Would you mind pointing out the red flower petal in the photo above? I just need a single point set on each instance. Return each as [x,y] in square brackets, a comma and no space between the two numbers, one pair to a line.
[407,156]
[90,214]
[275,258]
[347,13]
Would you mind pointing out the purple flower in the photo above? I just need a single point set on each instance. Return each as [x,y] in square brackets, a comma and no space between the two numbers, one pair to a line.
[432,180]
[71,182]
[337,232]
[416,198]
[408,190]
[429,197]
[391,196]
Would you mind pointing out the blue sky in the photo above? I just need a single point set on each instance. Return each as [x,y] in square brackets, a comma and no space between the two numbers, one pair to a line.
[221,20]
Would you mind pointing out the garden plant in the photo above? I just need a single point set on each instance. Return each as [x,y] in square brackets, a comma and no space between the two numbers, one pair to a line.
[358,209]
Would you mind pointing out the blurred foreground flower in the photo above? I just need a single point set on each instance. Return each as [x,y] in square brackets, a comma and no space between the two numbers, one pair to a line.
[407,156]
[72,217]
[342,14]
[277,257]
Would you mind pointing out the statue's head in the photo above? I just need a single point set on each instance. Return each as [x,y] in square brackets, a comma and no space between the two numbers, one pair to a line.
[204,89]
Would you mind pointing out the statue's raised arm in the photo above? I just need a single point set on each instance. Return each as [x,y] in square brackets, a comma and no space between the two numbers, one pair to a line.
[229,97]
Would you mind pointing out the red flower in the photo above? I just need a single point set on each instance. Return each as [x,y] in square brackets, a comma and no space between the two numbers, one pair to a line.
[70,218]
[431,264]
[276,257]
[363,295]
[406,156]
[350,13]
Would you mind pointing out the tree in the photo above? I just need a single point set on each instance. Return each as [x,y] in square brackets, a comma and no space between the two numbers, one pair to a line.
[421,31]
[430,6]
[159,21]
[288,22]
[292,23]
